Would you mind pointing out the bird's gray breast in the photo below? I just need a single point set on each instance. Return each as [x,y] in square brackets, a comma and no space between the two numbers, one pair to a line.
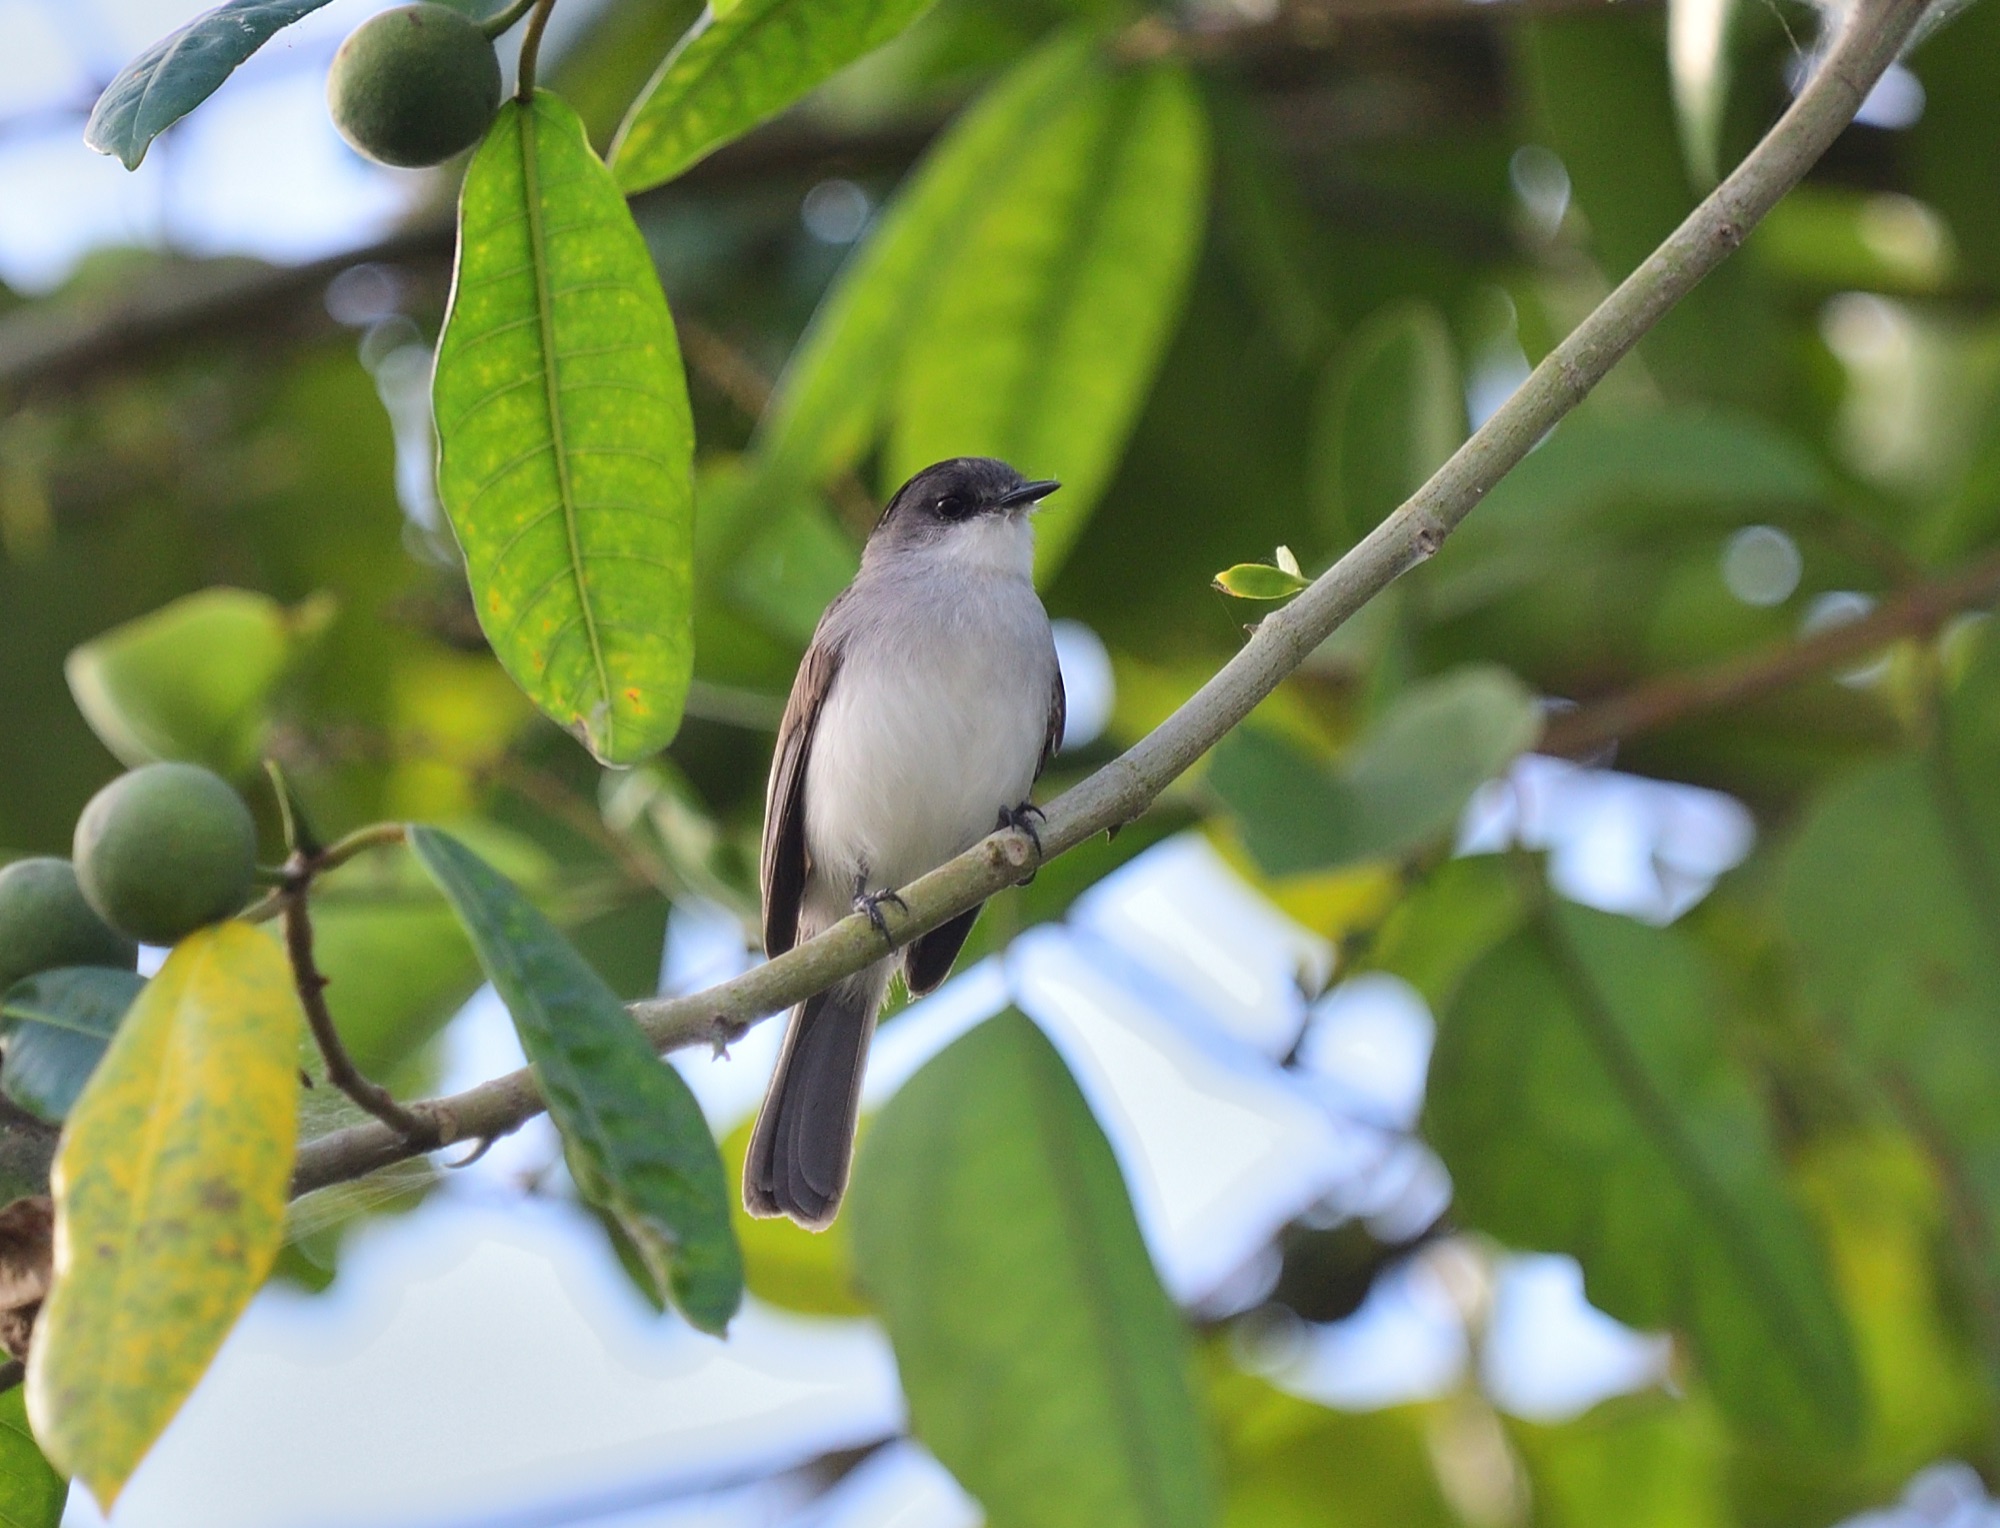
[933,724]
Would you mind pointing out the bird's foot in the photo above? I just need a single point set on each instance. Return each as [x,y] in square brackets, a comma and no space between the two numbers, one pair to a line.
[1026,818]
[870,903]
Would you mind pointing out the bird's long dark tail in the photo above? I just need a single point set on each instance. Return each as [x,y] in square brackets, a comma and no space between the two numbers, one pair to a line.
[803,1145]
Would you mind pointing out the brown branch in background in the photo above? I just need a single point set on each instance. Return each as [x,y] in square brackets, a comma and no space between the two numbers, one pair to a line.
[1915,611]
[724,367]
[419,1129]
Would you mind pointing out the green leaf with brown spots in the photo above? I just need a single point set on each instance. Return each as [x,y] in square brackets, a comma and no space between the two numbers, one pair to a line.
[170,1191]
[565,446]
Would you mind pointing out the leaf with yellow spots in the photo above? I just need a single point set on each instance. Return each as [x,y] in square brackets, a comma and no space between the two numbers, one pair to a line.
[170,1192]
[565,446]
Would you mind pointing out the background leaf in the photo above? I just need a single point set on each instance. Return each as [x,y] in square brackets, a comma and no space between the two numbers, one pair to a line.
[170,1191]
[564,439]
[637,1144]
[1043,1362]
[1391,410]
[1585,1101]
[742,63]
[1891,893]
[32,1493]
[830,403]
[1059,293]
[194,679]
[1403,783]
[180,71]
[1293,1464]
[54,1027]
[1598,484]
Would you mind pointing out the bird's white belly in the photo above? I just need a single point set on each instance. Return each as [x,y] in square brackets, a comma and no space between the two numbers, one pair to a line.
[914,763]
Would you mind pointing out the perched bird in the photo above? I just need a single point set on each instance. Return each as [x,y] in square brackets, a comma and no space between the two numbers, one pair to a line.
[925,709]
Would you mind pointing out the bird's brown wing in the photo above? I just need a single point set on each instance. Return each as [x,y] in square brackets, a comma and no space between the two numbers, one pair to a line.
[1058,718]
[928,959]
[786,863]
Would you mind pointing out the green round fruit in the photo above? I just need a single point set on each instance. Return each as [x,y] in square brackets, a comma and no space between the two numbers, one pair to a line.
[45,923]
[414,85]
[164,850]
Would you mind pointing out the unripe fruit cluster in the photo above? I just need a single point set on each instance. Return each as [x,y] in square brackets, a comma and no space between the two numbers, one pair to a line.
[414,85]
[159,853]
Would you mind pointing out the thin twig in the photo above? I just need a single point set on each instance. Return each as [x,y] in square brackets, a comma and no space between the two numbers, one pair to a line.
[417,1130]
[1120,791]
[376,835]
[1916,611]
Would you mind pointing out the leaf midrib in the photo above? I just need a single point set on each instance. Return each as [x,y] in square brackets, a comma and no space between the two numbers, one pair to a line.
[552,393]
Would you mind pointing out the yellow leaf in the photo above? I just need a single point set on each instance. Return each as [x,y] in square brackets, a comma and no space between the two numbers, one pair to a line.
[170,1191]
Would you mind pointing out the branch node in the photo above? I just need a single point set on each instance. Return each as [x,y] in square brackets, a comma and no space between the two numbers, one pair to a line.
[723,1033]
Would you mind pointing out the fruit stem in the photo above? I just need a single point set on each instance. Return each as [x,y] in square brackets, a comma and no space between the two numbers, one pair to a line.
[505,17]
[531,47]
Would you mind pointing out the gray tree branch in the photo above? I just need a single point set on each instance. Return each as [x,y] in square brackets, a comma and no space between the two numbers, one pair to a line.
[1869,42]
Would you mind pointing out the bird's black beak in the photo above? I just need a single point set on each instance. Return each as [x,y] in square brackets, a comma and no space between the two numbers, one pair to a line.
[1028,493]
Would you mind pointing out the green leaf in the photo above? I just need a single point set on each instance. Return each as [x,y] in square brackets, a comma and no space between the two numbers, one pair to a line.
[1585,1099]
[831,402]
[1679,472]
[1390,412]
[1292,1464]
[1044,1364]
[32,1493]
[1442,927]
[1404,783]
[1259,581]
[1891,894]
[194,679]
[170,1191]
[636,1141]
[564,439]
[742,63]
[791,570]
[1643,1461]
[1058,293]
[1598,83]
[54,1027]
[180,71]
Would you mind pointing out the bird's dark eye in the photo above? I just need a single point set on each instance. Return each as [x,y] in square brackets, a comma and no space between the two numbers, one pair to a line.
[954,506]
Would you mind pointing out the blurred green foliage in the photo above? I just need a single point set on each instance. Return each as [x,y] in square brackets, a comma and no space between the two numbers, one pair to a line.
[1241,290]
